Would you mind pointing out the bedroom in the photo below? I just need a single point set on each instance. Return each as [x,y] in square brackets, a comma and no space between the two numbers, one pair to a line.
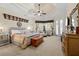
[33,28]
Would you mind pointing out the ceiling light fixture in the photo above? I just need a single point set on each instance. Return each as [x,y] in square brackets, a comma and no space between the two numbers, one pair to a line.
[39,12]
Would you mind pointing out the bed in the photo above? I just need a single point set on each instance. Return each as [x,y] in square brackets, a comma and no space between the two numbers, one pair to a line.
[21,37]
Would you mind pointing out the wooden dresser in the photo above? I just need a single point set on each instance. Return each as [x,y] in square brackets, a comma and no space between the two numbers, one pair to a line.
[70,44]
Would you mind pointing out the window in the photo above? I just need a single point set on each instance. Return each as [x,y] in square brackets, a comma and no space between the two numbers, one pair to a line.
[73,22]
[61,26]
[66,22]
[56,27]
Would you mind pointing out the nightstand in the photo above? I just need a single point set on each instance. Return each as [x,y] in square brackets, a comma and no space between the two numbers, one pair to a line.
[4,39]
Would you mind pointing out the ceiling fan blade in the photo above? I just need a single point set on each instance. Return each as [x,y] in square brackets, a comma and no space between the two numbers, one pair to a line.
[35,14]
[44,13]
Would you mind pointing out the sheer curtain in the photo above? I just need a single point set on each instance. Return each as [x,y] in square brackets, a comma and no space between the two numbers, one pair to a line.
[59,27]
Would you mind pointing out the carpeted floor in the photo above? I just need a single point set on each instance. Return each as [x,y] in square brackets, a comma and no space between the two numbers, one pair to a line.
[50,47]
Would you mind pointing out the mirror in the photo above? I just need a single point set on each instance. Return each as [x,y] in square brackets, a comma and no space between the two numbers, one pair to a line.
[74,18]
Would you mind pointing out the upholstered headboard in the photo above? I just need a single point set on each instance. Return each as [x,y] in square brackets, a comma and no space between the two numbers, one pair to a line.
[14,30]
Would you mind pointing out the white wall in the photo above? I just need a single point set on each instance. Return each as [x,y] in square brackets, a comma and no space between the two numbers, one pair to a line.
[60,13]
[6,24]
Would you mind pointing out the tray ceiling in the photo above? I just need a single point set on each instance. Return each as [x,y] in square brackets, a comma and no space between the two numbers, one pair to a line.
[53,10]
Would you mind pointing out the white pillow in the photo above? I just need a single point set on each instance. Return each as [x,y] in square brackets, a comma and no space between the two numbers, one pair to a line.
[14,32]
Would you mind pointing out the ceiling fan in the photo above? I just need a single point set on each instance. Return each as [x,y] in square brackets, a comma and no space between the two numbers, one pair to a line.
[39,12]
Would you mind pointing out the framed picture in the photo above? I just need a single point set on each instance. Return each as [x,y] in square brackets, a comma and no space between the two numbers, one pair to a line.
[9,17]
[19,19]
[16,19]
[4,16]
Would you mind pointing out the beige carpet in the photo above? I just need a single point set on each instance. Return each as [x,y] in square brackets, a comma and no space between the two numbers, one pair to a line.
[50,47]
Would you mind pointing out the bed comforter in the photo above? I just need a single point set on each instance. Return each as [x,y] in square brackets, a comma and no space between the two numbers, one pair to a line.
[22,40]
